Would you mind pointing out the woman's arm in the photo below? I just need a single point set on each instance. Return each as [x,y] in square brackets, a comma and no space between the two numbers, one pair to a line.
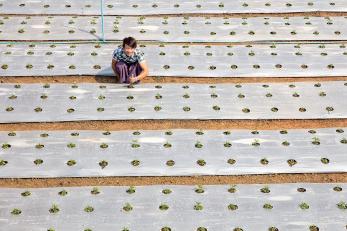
[143,73]
[114,62]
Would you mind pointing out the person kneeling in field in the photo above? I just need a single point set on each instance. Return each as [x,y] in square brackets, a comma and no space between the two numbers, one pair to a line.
[128,62]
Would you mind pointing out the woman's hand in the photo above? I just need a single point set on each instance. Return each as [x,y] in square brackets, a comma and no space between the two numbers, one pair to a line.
[133,79]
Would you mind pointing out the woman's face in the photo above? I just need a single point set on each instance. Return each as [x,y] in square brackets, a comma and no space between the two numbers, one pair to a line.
[129,51]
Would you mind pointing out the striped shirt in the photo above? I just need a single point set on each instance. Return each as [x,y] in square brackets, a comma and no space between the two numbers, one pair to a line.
[119,55]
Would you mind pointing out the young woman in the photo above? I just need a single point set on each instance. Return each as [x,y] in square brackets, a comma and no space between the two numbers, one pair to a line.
[128,62]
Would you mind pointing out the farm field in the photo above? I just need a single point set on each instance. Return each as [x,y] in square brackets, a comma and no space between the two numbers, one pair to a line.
[241,124]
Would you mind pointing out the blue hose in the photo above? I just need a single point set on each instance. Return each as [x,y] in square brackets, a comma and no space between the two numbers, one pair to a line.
[102,19]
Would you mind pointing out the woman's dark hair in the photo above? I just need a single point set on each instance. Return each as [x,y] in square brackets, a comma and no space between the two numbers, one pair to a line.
[130,41]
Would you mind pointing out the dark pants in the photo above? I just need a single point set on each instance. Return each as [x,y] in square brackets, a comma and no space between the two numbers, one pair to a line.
[125,71]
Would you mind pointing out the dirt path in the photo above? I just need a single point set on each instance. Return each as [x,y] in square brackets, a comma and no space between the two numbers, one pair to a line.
[177,124]
[189,180]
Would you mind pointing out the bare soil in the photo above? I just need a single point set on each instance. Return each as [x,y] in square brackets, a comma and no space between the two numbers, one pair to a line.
[176,124]
[186,180]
